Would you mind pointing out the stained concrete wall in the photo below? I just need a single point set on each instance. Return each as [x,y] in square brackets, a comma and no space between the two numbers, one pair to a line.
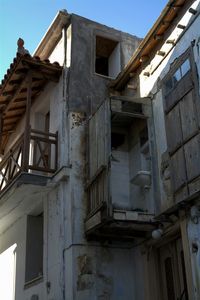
[87,89]
[73,267]
[96,273]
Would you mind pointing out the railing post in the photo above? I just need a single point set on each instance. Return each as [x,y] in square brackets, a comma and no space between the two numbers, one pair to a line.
[26,149]
[56,151]
[27,130]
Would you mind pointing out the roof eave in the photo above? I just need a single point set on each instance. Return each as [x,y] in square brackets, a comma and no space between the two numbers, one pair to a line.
[52,35]
[123,77]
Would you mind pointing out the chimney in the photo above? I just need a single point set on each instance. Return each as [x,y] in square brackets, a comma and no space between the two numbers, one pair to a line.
[21,49]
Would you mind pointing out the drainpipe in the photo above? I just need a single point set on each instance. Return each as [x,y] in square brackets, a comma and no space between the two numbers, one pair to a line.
[65,119]
[154,163]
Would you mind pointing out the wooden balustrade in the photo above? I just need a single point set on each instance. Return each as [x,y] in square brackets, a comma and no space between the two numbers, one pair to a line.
[39,156]
[97,191]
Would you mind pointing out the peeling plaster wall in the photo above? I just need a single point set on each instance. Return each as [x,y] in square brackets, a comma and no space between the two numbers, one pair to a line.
[93,270]
[73,267]
[96,273]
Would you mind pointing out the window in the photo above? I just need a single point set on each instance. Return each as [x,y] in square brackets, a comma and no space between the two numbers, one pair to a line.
[182,70]
[107,58]
[172,271]
[34,248]
[182,123]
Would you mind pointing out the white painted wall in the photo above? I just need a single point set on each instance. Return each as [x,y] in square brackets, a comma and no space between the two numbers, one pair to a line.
[114,62]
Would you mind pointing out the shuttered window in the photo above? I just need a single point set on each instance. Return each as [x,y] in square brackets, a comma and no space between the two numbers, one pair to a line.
[182,127]
[99,153]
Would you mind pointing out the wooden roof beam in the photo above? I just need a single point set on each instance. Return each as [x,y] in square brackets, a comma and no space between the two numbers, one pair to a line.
[8,93]
[14,82]
[161,53]
[41,64]
[180,26]
[12,117]
[21,71]
[144,58]
[192,11]
[10,121]
[17,92]
[43,75]
[172,42]
[22,99]
[17,108]
[158,37]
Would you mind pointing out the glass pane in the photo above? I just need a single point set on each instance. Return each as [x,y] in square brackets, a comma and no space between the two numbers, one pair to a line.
[177,76]
[185,67]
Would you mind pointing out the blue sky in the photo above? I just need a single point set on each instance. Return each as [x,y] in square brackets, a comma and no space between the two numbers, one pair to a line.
[30,19]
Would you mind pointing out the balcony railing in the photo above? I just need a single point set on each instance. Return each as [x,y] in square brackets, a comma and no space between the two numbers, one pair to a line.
[34,153]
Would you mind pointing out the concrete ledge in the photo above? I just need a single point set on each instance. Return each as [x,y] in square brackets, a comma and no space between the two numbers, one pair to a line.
[132,216]
[62,174]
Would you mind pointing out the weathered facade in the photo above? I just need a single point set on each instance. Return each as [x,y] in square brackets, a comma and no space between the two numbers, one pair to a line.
[166,70]
[99,186]
[45,108]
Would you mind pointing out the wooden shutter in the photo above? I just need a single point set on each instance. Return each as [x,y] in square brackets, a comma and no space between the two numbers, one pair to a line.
[173,129]
[183,134]
[192,157]
[99,154]
[178,174]
[188,116]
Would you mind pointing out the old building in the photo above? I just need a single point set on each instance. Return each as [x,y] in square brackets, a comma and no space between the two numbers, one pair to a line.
[100,169]
[164,72]
[45,108]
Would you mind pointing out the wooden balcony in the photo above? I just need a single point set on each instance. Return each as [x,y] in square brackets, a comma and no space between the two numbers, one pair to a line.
[34,152]
[119,200]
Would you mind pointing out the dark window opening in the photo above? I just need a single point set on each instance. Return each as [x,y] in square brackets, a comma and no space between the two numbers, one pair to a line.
[117,139]
[34,248]
[169,279]
[107,60]
[143,136]
[101,65]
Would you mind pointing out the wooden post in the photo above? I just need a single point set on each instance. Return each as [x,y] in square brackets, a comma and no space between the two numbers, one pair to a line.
[1,130]
[27,124]
[187,258]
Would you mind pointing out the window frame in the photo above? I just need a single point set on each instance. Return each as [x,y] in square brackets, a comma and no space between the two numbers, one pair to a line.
[104,35]
[38,278]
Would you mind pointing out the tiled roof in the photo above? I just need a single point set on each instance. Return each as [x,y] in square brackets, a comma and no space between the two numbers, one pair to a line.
[14,86]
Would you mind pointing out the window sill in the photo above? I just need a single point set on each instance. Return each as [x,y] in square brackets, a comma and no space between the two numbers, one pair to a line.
[104,76]
[33,282]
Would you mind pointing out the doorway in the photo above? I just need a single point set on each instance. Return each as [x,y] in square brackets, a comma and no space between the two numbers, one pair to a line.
[172,270]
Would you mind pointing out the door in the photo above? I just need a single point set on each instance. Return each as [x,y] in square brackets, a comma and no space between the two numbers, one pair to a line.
[172,271]
[98,158]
